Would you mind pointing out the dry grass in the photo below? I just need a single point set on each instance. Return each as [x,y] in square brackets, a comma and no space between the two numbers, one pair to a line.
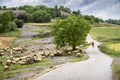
[6,41]
[114,46]
[39,24]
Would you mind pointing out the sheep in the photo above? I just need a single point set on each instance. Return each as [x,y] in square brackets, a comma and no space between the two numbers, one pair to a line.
[6,68]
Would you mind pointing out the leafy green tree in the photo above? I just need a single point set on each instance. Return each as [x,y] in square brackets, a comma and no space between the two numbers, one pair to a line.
[29,9]
[12,15]
[23,16]
[5,18]
[41,16]
[65,9]
[71,31]
[113,21]
[51,11]
[62,8]
[19,23]
[89,18]
[57,11]
[4,7]
[77,12]
[12,26]
[56,7]
[0,7]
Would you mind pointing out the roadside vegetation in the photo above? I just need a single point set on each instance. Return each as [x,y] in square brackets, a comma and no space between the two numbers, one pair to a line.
[110,37]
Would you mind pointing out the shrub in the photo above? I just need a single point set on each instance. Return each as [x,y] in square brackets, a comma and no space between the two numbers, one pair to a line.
[19,23]
[12,26]
[5,18]
[41,16]
[23,17]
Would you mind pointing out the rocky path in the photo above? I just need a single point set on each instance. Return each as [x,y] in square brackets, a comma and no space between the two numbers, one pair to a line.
[97,67]
[29,37]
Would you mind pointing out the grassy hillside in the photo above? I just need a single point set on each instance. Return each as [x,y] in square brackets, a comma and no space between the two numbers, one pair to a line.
[106,33]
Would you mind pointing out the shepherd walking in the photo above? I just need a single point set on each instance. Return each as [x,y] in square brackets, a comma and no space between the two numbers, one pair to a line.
[93,44]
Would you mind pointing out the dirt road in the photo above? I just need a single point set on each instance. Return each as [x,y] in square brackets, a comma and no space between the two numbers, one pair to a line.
[97,67]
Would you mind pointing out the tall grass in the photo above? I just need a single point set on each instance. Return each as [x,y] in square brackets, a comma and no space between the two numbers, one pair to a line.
[110,51]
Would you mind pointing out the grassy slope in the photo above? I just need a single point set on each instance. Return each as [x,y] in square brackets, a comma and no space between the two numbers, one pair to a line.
[105,33]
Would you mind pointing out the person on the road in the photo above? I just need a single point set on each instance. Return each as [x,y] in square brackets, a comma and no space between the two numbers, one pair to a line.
[93,44]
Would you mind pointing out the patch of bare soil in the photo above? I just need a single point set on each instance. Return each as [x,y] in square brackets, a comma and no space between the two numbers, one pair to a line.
[6,41]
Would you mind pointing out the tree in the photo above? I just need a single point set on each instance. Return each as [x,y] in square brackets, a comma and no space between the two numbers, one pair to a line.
[77,12]
[57,11]
[23,16]
[12,15]
[5,18]
[62,8]
[4,7]
[41,16]
[19,23]
[71,31]
[0,7]
[51,11]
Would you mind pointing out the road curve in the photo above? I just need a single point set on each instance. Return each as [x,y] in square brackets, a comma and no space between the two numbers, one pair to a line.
[97,67]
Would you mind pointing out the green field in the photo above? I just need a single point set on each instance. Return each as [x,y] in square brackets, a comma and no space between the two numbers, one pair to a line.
[106,33]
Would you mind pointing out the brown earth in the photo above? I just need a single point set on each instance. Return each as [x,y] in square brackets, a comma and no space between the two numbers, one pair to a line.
[6,41]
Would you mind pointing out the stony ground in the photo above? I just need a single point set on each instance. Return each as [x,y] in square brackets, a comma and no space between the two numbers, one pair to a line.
[34,43]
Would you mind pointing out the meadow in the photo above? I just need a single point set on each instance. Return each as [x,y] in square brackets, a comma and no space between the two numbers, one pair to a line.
[106,33]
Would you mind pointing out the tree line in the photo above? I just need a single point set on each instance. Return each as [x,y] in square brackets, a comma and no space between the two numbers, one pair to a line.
[112,21]
[45,14]
[39,14]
